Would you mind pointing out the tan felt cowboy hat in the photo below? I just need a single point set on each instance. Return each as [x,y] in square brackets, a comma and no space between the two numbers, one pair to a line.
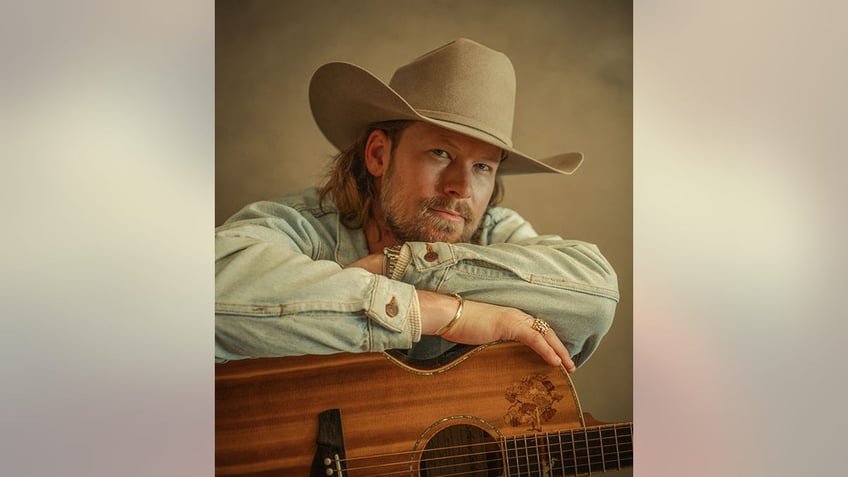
[462,86]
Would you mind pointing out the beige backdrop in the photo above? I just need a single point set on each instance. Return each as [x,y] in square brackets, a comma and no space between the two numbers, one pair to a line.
[573,60]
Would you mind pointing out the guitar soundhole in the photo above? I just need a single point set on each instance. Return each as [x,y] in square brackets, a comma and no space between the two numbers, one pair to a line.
[461,450]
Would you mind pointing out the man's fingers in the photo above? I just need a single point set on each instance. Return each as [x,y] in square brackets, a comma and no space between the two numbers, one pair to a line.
[561,351]
[549,347]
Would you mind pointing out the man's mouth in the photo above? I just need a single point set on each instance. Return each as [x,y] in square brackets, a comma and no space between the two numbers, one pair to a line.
[449,215]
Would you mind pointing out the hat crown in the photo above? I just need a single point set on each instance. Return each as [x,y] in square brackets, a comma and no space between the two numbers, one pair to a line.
[462,82]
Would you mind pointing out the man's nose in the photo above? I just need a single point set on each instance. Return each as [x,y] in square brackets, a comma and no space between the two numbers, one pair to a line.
[457,182]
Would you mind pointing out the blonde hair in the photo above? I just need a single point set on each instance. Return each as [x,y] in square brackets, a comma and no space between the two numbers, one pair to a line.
[351,187]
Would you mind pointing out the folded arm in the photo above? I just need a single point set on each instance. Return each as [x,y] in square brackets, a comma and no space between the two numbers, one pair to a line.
[278,292]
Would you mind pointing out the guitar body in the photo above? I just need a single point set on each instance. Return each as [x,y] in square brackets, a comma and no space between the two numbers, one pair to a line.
[399,417]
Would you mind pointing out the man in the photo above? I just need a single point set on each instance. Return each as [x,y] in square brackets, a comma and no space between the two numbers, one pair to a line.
[403,246]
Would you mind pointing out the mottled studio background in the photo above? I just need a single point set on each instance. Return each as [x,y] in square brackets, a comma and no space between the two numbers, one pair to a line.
[110,189]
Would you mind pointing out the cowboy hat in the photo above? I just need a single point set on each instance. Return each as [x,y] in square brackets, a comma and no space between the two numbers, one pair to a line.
[462,86]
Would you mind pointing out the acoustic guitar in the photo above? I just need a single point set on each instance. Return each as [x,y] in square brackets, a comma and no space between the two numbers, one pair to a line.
[491,410]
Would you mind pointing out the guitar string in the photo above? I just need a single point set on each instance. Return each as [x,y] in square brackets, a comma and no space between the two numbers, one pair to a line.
[532,470]
[574,441]
[592,461]
[579,468]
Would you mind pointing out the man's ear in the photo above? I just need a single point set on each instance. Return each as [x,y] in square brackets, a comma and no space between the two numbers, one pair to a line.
[378,148]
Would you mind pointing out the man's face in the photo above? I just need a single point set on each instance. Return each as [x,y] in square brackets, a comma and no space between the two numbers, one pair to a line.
[437,184]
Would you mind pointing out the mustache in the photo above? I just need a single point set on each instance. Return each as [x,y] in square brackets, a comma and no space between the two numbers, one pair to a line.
[449,205]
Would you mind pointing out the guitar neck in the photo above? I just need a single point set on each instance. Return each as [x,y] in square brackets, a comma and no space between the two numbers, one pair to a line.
[571,452]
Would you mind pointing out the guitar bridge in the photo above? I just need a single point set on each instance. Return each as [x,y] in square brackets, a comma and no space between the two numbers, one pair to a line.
[330,455]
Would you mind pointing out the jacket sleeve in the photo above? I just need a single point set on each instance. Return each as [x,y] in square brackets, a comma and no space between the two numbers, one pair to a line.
[279,292]
[568,283]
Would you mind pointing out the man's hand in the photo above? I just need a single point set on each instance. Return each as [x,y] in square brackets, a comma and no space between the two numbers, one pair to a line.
[483,323]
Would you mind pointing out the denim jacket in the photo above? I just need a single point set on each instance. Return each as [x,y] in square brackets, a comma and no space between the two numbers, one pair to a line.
[281,287]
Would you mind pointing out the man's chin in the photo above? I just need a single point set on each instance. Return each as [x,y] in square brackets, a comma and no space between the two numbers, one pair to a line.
[445,238]
[431,235]
[430,230]
[452,236]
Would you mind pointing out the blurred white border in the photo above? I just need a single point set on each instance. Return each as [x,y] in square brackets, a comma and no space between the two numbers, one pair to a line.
[106,121]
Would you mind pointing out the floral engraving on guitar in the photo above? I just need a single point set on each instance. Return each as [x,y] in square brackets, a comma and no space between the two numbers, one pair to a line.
[531,402]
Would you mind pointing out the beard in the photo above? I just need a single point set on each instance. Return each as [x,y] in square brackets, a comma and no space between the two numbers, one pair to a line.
[416,222]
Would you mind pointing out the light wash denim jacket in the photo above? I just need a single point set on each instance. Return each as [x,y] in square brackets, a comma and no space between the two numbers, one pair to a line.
[281,288]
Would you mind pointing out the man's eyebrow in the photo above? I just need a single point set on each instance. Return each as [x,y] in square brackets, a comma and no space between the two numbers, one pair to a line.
[501,155]
[445,138]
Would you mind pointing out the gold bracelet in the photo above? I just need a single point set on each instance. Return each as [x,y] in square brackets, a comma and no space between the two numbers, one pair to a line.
[453,320]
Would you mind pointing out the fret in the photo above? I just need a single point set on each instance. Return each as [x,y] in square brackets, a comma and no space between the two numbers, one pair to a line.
[617,450]
[522,456]
[626,445]
[559,452]
[535,467]
[609,448]
[512,445]
[592,450]
[561,455]
[505,458]
[539,465]
[518,458]
[578,449]
[573,448]
[584,464]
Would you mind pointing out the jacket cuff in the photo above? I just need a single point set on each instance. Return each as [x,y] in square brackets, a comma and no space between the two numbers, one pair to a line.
[393,306]
[403,259]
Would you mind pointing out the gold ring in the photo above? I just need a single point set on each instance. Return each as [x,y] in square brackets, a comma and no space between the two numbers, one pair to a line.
[541,326]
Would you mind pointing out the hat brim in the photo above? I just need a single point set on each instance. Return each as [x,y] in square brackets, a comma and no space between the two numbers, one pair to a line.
[345,99]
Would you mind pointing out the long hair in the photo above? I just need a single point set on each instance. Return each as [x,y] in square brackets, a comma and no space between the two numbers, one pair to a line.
[351,187]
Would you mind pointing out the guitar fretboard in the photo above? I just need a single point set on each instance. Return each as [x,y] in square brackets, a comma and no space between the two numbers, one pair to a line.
[572,452]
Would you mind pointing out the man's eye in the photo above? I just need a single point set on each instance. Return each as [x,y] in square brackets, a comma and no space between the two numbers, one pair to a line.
[441,153]
[483,167]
